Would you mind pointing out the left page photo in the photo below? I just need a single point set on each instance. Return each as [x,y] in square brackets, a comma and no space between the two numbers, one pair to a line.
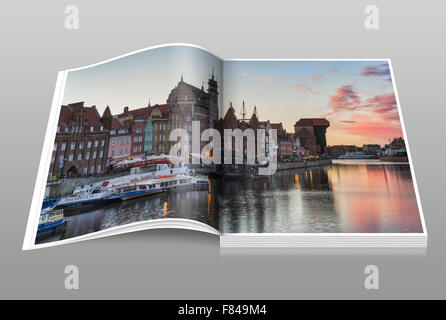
[107,165]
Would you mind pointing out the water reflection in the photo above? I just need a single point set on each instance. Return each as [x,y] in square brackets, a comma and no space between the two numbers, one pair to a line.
[342,197]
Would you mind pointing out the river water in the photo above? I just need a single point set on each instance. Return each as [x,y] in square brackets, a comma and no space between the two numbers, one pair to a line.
[347,196]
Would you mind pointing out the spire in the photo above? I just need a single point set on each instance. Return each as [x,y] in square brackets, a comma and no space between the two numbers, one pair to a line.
[202,86]
[149,103]
[243,111]
[213,68]
[255,112]
[181,76]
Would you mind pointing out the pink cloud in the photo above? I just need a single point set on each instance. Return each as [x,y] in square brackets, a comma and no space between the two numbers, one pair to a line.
[373,130]
[244,74]
[346,98]
[304,88]
[381,70]
[385,106]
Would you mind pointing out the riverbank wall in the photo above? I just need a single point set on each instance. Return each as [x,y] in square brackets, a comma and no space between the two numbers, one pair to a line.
[302,164]
[66,187]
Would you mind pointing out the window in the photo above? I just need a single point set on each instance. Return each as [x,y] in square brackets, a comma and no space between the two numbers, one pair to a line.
[102,143]
[185,98]
[138,130]
[101,153]
[91,169]
[85,170]
[73,145]
[99,169]
[121,141]
[89,144]
[79,156]
[113,142]
[135,149]
[70,157]
[81,145]
[113,153]
[96,143]
[139,148]
[94,155]
[135,139]
[127,140]
[140,138]
[188,119]
[64,145]
[126,150]
[87,156]
[55,147]
[52,159]
[120,151]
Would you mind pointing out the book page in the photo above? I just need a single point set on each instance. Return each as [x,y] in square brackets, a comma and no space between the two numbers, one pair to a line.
[340,156]
[110,162]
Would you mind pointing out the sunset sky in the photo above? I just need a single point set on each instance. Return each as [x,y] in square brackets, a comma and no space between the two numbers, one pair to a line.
[355,96]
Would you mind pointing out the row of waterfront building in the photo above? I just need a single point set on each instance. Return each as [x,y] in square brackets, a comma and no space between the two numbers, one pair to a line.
[87,142]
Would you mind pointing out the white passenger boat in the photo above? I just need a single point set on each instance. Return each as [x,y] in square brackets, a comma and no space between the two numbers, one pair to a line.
[84,197]
[154,176]
[160,184]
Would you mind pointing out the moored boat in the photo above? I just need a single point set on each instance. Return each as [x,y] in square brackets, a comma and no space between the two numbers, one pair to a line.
[51,221]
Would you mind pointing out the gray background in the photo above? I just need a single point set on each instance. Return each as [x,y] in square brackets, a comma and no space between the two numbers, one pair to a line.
[181,264]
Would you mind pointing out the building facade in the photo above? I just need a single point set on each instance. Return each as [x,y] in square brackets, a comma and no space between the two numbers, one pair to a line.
[160,118]
[148,136]
[188,103]
[80,147]
[120,141]
[138,131]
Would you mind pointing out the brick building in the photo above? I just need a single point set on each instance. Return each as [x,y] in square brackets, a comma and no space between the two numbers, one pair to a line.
[311,132]
[188,103]
[81,142]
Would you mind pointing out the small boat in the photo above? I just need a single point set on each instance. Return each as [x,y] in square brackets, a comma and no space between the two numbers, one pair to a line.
[51,221]
[355,155]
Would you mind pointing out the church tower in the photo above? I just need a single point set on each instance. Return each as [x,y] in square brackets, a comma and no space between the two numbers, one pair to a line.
[213,99]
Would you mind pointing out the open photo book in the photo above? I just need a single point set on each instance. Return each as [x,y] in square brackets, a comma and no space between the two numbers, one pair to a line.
[260,152]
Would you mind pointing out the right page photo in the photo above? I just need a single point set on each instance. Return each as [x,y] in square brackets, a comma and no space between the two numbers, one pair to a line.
[335,130]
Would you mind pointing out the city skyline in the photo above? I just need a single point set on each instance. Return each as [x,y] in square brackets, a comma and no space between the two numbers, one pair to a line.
[355,96]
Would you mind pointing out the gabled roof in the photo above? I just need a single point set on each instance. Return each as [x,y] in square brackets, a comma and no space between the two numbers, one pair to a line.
[164,109]
[117,124]
[312,122]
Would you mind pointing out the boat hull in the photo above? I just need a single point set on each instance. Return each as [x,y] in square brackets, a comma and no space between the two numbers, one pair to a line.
[70,208]
[394,159]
